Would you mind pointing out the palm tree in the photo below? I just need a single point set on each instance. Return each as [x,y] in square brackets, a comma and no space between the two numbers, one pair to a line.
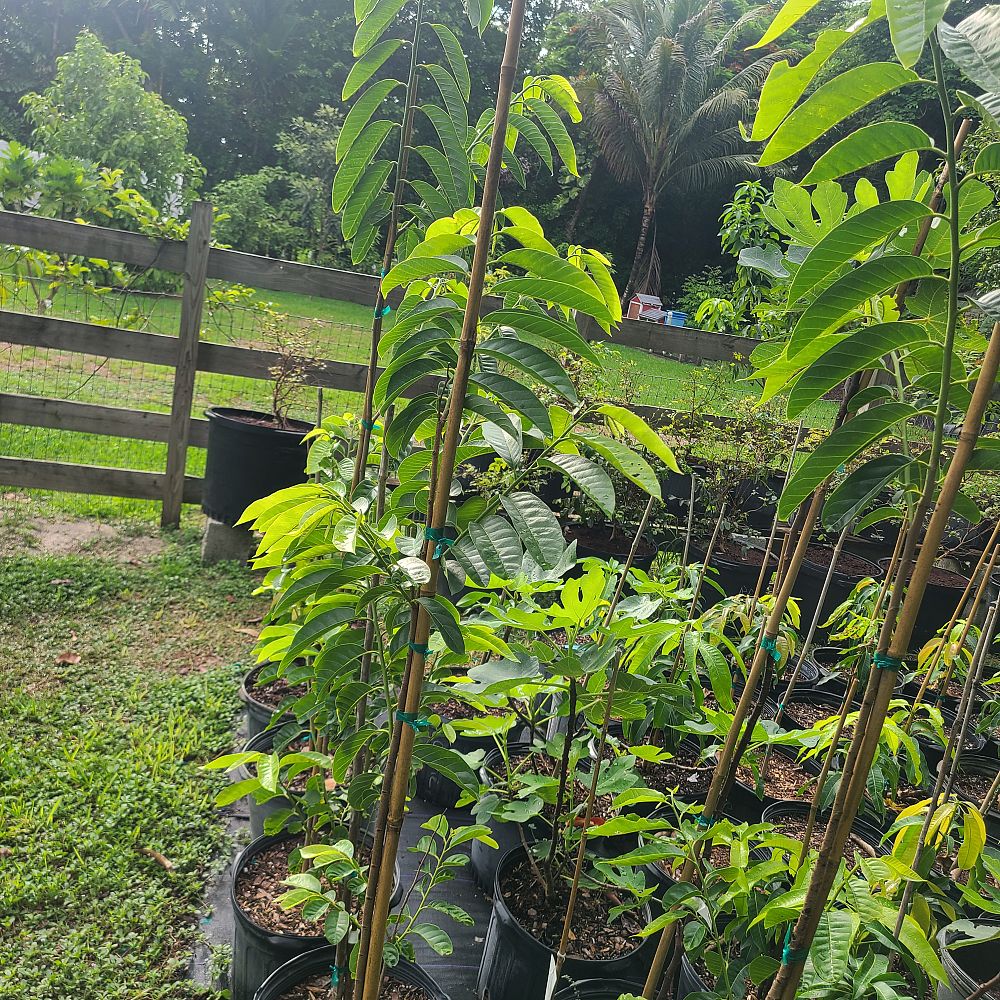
[667,113]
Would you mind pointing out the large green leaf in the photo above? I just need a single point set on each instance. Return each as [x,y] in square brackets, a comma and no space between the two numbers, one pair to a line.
[363,197]
[378,18]
[973,45]
[451,164]
[988,159]
[368,65]
[455,56]
[830,951]
[402,427]
[791,12]
[414,268]
[453,101]
[842,446]
[556,131]
[533,361]
[517,396]
[360,114]
[861,487]
[831,104]
[365,149]
[547,265]
[628,462]
[589,476]
[537,527]
[316,628]
[393,384]
[852,237]
[558,292]
[847,294]
[442,612]
[986,106]
[498,545]
[862,350]
[448,762]
[544,327]
[910,25]
[641,431]
[534,137]
[866,146]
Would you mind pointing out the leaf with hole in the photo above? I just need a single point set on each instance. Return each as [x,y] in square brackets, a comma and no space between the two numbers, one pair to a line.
[830,104]
[842,446]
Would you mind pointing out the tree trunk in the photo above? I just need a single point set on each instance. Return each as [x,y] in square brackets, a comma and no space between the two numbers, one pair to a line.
[648,211]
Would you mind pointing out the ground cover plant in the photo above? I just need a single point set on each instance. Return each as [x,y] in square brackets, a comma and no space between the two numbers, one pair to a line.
[117,682]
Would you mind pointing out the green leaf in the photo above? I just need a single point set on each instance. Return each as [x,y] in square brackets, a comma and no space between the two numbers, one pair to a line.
[314,629]
[544,327]
[453,102]
[368,65]
[452,169]
[537,527]
[988,159]
[973,45]
[788,16]
[365,149]
[534,137]
[378,18]
[359,115]
[498,545]
[231,793]
[435,937]
[533,361]
[348,749]
[556,131]
[973,840]
[868,145]
[630,464]
[445,619]
[862,350]
[363,196]
[846,295]
[986,106]
[518,397]
[641,432]
[549,265]
[418,268]
[562,294]
[830,951]
[910,25]
[448,762]
[336,925]
[861,487]
[391,385]
[456,58]
[590,477]
[915,941]
[831,104]
[843,445]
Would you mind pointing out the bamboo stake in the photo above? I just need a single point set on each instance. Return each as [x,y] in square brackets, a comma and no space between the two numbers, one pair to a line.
[402,163]
[400,766]
[690,521]
[595,777]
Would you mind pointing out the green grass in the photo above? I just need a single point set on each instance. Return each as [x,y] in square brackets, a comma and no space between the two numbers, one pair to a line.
[99,762]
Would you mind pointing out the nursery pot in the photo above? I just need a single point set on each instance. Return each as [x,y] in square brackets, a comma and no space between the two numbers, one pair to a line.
[974,744]
[604,542]
[943,592]
[850,569]
[599,989]
[318,963]
[827,699]
[970,967]
[748,805]
[516,965]
[432,786]
[737,569]
[259,715]
[258,952]
[249,458]
[986,768]
[861,829]
[259,812]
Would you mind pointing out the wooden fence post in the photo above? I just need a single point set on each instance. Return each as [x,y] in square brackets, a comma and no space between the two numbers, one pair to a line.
[192,303]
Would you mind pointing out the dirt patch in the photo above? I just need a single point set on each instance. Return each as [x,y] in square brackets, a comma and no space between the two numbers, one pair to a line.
[318,988]
[848,564]
[795,826]
[783,778]
[87,537]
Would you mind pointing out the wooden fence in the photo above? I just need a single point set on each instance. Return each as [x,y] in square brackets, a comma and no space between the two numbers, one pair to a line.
[187,354]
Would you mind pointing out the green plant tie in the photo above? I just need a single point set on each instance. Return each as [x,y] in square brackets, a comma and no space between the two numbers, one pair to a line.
[790,955]
[334,975]
[422,650]
[438,535]
[384,311]
[414,721]
[770,645]
[883,661]
[706,821]
[370,425]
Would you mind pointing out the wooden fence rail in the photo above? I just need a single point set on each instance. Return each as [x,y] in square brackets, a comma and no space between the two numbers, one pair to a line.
[197,262]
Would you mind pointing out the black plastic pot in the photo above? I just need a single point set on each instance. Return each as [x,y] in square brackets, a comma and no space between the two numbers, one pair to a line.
[936,608]
[598,989]
[974,744]
[744,800]
[860,828]
[318,962]
[257,952]
[969,967]
[432,786]
[616,547]
[247,460]
[689,981]
[810,582]
[263,742]
[988,766]
[826,698]
[516,965]
[735,576]
[259,715]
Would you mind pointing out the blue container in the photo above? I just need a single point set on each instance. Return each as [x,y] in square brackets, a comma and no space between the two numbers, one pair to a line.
[676,318]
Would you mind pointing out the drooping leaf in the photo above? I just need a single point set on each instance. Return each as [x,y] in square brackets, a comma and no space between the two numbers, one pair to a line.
[641,432]
[626,461]
[843,445]
[847,294]
[770,260]
[910,25]
[556,131]
[547,265]
[589,476]
[533,361]
[391,385]
[985,106]
[368,65]
[831,104]
[544,327]
[454,103]
[363,197]
[442,612]
[973,45]
[851,496]
[534,137]
[557,292]
[414,268]
[865,146]
[789,14]
[498,545]
[448,762]
[361,113]
[860,351]
[517,396]
[537,527]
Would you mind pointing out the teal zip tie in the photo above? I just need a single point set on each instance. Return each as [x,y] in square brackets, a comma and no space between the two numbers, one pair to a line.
[781,707]
[706,821]
[771,646]
[370,425]
[438,535]
[383,312]
[414,721]
[883,661]
[790,955]
[417,648]
[334,976]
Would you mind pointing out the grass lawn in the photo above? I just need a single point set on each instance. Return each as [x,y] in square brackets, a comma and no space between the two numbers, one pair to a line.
[117,680]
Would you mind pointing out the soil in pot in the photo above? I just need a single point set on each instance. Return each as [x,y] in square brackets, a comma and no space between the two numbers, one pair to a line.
[685,771]
[263,700]
[609,541]
[318,988]
[848,564]
[784,778]
[805,711]
[259,886]
[791,818]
